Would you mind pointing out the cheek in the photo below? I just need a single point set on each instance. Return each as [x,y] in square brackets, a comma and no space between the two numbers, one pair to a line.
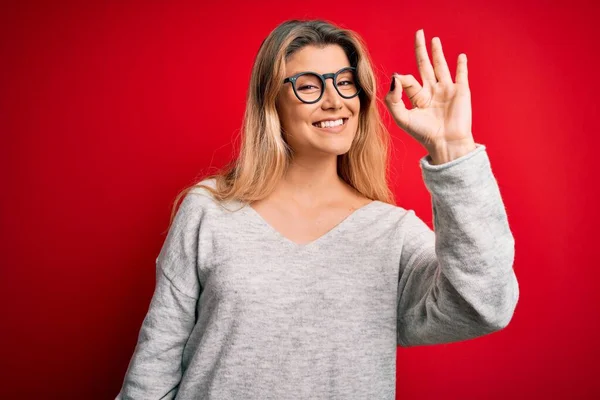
[287,117]
[300,116]
[287,110]
[355,107]
[295,120]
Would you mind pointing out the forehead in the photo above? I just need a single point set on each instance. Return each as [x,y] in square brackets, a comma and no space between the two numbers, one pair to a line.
[330,58]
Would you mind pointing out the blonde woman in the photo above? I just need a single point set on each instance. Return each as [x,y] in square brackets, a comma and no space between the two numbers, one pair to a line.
[292,274]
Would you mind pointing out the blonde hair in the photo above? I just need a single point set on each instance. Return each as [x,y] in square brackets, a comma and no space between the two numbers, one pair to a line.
[264,154]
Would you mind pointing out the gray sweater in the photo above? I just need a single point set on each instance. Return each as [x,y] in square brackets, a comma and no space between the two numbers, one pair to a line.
[241,312]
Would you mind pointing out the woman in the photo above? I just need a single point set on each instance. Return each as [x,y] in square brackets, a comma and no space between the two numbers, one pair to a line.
[292,274]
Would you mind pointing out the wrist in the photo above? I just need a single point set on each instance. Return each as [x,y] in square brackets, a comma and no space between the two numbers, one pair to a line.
[442,153]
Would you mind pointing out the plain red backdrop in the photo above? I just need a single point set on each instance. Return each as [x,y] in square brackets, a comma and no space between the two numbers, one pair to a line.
[108,109]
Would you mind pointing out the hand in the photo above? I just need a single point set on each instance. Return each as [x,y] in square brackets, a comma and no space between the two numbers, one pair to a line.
[441,115]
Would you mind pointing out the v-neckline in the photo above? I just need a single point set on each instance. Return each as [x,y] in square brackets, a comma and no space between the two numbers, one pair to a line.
[298,246]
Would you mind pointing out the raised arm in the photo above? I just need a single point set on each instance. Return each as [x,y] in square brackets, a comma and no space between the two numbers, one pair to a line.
[457,282]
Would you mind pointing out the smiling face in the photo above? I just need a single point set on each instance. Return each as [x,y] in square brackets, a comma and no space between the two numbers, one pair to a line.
[298,118]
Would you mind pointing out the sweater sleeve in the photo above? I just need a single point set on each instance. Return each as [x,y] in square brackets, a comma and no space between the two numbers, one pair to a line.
[155,369]
[458,282]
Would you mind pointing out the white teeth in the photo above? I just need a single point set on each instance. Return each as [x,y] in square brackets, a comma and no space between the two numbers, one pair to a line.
[329,124]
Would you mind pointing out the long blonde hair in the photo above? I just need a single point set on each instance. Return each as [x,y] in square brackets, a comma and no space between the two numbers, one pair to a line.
[264,155]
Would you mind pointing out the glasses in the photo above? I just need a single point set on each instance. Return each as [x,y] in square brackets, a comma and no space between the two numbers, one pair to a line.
[310,86]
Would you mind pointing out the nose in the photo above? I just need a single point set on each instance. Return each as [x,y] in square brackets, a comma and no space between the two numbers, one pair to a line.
[331,98]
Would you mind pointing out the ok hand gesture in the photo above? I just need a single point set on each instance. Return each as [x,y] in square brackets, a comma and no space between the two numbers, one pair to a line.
[440,118]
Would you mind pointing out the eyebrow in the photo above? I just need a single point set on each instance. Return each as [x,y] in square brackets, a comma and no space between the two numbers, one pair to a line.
[307,70]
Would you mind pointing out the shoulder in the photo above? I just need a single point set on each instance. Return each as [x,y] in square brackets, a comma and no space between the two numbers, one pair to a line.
[200,192]
[195,213]
[383,215]
[397,218]
[389,209]
[200,201]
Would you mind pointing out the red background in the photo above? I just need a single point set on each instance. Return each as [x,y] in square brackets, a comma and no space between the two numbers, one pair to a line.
[108,109]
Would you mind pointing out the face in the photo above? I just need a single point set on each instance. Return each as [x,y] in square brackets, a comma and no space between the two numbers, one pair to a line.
[298,118]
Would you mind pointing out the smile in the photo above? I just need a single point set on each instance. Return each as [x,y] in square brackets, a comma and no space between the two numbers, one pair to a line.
[331,126]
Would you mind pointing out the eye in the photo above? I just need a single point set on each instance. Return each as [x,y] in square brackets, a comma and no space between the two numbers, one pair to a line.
[306,87]
[345,83]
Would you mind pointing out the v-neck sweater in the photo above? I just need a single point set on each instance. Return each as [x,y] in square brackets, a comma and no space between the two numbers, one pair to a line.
[241,312]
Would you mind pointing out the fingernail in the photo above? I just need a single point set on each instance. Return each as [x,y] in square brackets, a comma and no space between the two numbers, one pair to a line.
[393,84]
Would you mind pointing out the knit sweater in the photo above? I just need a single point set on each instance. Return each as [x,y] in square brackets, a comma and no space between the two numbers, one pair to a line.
[241,312]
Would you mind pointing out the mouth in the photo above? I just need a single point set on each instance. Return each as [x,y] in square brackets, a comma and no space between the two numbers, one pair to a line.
[332,127]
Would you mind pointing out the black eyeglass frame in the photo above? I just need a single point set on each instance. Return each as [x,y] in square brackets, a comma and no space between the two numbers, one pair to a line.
[333,76]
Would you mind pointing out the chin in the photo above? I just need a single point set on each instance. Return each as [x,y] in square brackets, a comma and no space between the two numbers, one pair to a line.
[337,150]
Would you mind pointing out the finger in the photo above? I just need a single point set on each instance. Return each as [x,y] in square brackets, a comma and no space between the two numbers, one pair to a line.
[439,61]
[462,77]
[410,86]
[423,63]
[395,103]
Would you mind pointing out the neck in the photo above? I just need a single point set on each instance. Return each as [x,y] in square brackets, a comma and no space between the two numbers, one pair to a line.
[312,182]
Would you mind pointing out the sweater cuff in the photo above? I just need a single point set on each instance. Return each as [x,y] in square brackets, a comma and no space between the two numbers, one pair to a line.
[426,161]
[471,170]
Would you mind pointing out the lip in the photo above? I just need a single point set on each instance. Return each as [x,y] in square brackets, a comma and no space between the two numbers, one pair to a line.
[335,129]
